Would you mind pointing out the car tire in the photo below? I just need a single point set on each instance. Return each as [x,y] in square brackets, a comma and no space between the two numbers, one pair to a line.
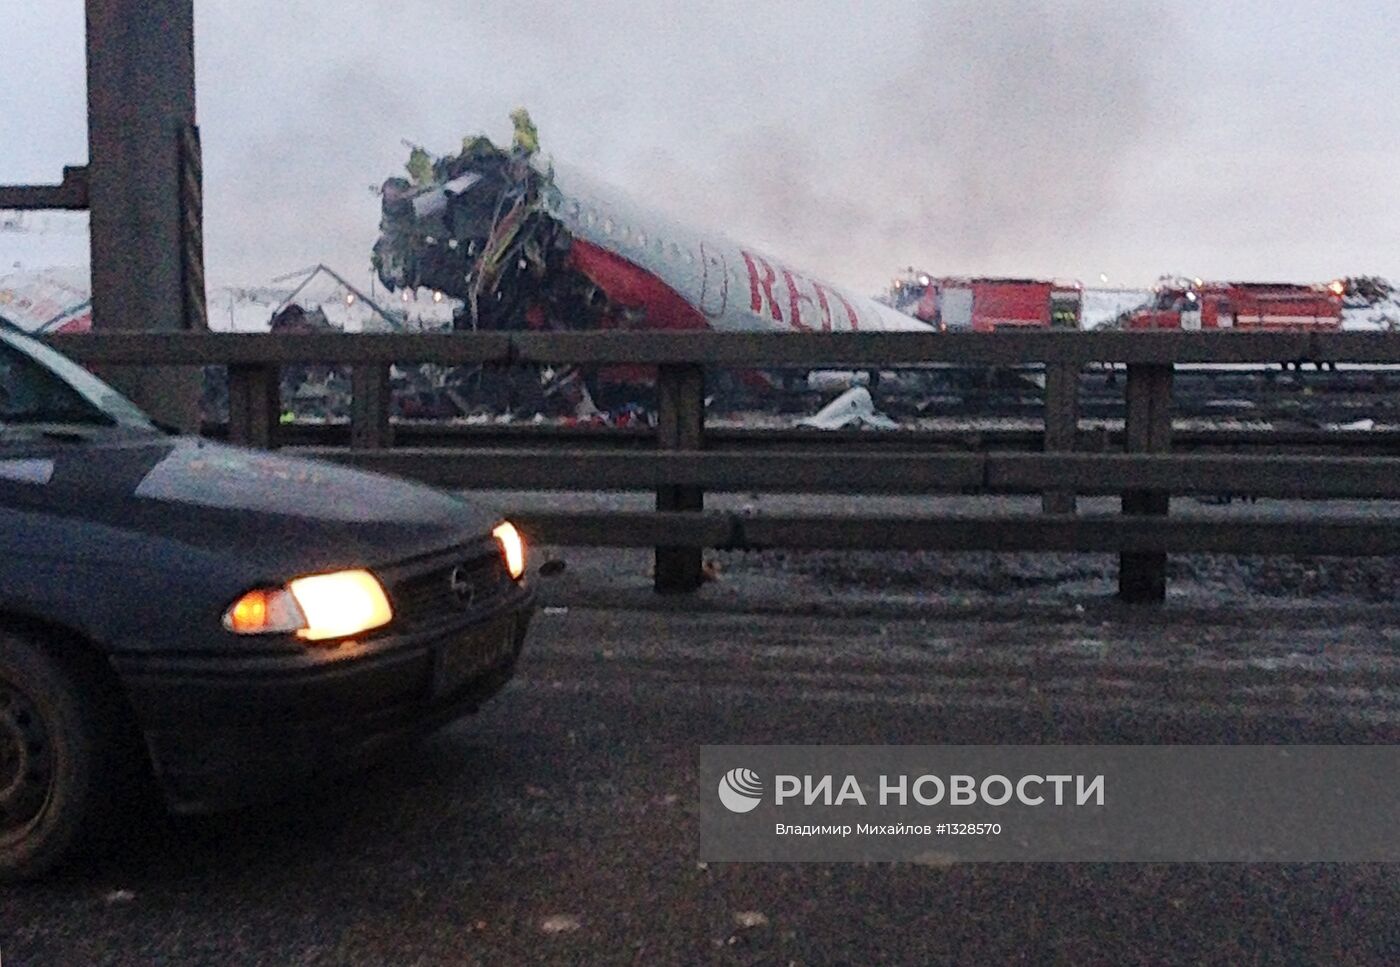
[52,747]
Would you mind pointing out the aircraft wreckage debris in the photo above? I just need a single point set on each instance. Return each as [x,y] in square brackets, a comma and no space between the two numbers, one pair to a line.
[528,245]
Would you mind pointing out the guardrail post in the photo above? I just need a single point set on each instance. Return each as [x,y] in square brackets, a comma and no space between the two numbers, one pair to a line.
[1061,427]
[254,403]
[680,421]
[369,407]
[1142,577]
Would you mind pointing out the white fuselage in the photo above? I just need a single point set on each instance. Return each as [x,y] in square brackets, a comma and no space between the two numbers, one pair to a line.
[734,287]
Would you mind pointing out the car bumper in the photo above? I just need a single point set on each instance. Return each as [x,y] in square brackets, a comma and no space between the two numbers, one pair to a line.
[224,732]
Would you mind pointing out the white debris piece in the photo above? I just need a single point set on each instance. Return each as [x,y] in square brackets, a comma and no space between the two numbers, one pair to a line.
[434,202]
[852,408]
[27,471]
[560,923]
[586,408]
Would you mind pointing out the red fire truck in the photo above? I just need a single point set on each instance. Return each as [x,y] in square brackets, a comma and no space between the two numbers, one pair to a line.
[989,305]
[1248,306]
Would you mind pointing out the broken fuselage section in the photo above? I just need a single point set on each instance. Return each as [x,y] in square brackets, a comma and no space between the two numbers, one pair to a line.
[530,246]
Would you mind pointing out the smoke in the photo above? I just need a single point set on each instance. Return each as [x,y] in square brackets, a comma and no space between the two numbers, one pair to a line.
[296,186]
[984,136]
[1034,112]
[963,136]
[1001,137]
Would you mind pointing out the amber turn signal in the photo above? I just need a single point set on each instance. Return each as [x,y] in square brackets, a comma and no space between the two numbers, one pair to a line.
[512,548]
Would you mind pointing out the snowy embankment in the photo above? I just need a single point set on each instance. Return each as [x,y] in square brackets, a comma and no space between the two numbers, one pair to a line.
[44,277]
[45,286]
[1384,316]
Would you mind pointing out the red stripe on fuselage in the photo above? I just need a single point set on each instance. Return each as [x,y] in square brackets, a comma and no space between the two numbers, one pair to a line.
[633,287]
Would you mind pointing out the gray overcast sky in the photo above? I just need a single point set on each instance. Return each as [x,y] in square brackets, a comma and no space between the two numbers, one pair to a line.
[1255,139]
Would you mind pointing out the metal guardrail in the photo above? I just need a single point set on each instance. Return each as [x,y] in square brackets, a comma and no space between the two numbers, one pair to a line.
[680,465]
[724,435]
[540,468]
[857,350]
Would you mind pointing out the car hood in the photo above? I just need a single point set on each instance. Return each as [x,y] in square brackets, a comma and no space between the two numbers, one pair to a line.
[285,513]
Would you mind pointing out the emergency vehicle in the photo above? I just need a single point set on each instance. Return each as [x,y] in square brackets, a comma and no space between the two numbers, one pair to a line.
[1248,306]
[989,305]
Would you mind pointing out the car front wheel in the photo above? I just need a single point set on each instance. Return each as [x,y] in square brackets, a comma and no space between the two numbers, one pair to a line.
[50,757]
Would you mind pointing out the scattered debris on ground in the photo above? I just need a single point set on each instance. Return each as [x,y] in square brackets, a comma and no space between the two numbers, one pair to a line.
[852,408]
[560,923]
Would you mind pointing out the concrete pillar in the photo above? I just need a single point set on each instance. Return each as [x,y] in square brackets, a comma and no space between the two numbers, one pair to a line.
[143,188]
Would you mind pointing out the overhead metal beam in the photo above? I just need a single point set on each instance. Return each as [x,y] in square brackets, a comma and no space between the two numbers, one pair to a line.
[71,194]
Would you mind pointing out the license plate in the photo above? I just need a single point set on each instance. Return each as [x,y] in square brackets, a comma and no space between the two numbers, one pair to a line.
[461,661]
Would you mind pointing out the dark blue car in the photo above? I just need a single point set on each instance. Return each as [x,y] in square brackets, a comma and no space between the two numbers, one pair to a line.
[223,620]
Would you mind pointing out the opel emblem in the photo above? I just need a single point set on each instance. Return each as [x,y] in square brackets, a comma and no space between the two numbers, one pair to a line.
[462,587]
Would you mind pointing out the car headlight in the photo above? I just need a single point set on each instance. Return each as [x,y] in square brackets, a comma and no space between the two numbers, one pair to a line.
[512,548]
[315,608]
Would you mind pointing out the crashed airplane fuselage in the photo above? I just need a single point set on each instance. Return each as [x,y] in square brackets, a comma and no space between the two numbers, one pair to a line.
[528,245]
[712,282]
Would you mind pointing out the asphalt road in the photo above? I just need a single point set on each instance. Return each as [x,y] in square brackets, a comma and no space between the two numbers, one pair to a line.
[558,826]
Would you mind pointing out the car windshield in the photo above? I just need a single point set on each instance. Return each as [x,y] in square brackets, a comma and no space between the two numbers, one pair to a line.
[41,386]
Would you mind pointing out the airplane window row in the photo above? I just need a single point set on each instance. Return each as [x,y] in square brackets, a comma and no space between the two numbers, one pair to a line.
[591,217]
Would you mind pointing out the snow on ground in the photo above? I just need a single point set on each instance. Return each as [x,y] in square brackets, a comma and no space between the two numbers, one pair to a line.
[249,308]
[37,241]
[45,284]
[1383,317]
[45,299]
[804,579]
[43,268]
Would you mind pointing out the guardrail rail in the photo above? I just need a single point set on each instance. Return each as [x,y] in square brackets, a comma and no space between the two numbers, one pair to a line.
[680,462]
